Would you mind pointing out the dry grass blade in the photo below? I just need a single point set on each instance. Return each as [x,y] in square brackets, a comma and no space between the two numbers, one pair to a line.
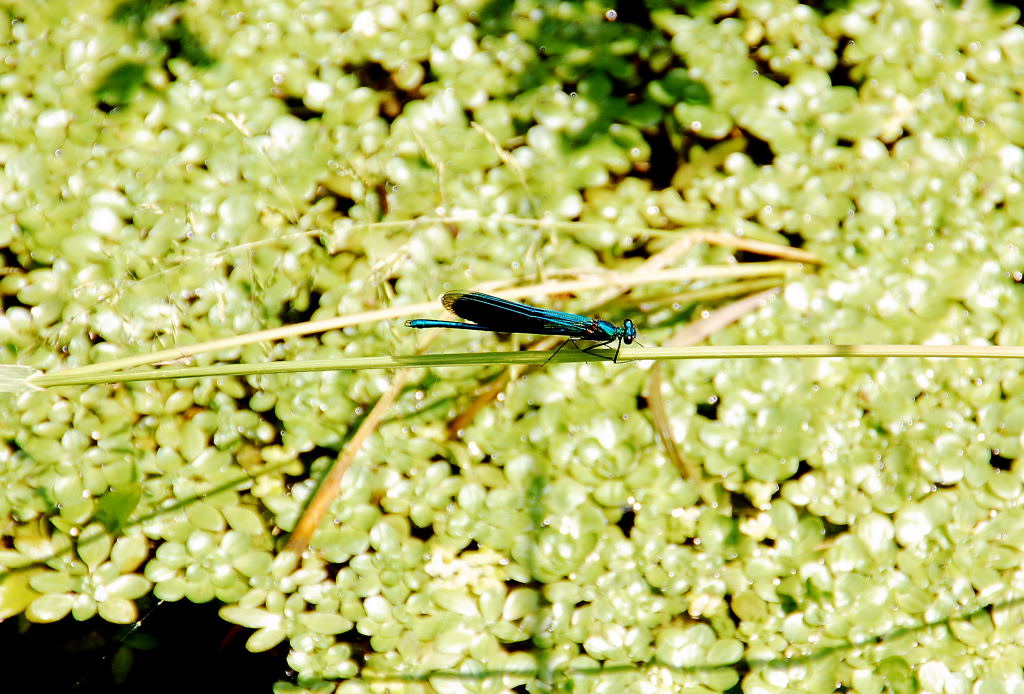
[696,332]
[330,487]
[458,424]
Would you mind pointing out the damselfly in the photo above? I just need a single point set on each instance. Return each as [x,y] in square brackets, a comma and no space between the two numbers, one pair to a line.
[502,316]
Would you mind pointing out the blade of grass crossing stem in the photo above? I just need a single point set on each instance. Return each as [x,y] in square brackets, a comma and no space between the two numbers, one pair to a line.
[691,335]
[330,487]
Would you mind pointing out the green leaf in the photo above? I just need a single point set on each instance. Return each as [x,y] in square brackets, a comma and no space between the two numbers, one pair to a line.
[251,617]
[129,552]
[898,675]
[50,608]
[324,623]
[120,84]
[94,546]
[129,587]
[52,582]
[114,509]
[16,593]
[677,87]
[244,519]
[118,610]
[265,639]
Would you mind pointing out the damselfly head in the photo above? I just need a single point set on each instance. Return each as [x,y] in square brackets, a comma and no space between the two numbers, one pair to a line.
[628,332]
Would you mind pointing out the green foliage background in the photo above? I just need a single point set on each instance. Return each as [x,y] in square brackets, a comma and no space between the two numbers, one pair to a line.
[177,172]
